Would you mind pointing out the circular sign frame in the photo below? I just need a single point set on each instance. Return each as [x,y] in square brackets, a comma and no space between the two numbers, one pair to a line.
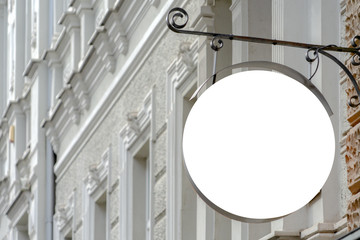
[208,166]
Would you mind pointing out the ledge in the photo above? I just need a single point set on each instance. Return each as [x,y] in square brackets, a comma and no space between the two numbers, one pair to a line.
[354,118]
[69,12]
[325,230]
[289,235]
[31,67]
[18,206]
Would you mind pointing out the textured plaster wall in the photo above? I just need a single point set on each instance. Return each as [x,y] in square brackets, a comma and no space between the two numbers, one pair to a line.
[152,73]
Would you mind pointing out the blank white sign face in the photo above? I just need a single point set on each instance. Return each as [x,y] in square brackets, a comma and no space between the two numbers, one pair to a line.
[258,145]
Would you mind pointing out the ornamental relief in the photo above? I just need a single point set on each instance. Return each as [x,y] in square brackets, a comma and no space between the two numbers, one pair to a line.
[352,28]
[353,212]
[34,30]
[352,157]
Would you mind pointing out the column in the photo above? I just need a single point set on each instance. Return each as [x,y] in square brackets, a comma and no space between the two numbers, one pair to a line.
[3,57]
[19,46]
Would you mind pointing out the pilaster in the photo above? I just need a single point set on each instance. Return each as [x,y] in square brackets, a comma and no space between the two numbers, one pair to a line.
[20,7]
[3,57]
[87,22]
[72,25]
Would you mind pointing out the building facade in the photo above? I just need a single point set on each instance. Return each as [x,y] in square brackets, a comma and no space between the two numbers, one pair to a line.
[94,95]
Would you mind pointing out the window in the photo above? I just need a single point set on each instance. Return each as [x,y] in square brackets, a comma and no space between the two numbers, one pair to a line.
[100,218]
[96,200]
[141,194]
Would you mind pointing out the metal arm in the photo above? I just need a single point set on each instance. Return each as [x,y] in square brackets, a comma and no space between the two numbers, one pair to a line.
[176,15]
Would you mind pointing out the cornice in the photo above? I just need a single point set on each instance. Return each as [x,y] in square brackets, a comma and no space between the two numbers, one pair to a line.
[98,173]
[104,47]
[18,206]
[75,96]
[137,122]
[81,5]
[3,123]
[17,106]
[117,35]
[121,80]
[31,67]
[65,213]
[85,60]
[69,19]
[52,57]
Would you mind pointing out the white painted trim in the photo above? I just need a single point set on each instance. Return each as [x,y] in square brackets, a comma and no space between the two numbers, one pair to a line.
[65,218]
[122,79]
[139,129]
[179,81]
[95,185]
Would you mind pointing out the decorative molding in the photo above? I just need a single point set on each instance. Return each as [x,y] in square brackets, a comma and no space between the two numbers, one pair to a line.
[178,82]
[352,159]
[117,34]
[65,216]
[354,119]
[4,165]
[187,55]
[140,127]
[279,235]
[4,197]
[70,103]
[353,211]
[81,5]
[64,213]
[81,91]
[137,57]
[104,47]
[69,19]
[23,168]
[325,230]
[34,31]
[52,135]
[95,184]
[180,70]
[67,73]
[133,123]
[100,17]
[137,122]
[18,206]
[350,10]
[31,68]
[98,173]
[131,13]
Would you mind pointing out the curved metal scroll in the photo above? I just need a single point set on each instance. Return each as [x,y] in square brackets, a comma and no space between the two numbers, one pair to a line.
[351,77]
[177,14]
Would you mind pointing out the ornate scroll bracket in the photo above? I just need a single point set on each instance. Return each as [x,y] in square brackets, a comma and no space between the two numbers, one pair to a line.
[177,19]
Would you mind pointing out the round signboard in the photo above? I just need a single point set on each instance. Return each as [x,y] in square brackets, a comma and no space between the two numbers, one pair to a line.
[258,145]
